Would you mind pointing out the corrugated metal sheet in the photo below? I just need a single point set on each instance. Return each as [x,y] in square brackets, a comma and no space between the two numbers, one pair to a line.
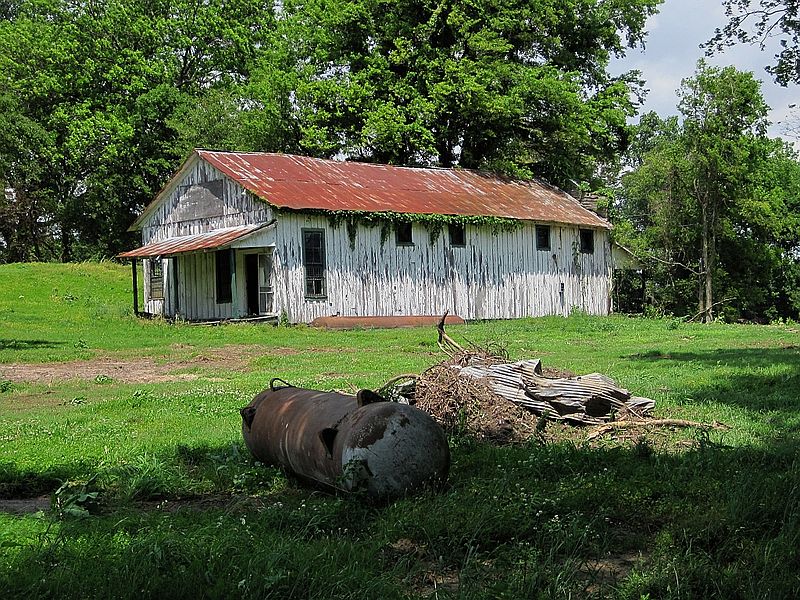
[298,182]
[193,243]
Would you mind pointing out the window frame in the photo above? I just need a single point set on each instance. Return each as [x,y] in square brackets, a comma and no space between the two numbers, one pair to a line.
[224,263]
[322,265]
[156,277]
[586,241]
[460,239]
[538,233]
[402,227]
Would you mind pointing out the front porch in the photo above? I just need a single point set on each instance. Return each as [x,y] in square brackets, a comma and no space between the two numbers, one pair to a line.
[216,276]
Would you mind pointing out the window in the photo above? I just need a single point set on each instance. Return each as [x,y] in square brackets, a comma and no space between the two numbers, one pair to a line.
[314,262]
[156,279]
[403,235]
[587,241]
[458,236]
[543,237]
[224,270]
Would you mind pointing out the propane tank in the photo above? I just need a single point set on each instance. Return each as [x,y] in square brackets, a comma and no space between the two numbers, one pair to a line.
[356,443]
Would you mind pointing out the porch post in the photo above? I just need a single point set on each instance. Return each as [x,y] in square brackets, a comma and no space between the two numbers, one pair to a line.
[135,288]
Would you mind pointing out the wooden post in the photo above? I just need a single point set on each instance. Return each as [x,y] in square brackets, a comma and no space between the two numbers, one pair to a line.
[135,288]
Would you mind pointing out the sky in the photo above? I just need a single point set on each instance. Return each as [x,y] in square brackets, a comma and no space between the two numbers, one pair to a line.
[672,50]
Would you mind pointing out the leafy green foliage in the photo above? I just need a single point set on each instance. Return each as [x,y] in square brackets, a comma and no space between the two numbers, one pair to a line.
[94,88]
[510,86]
[711,202]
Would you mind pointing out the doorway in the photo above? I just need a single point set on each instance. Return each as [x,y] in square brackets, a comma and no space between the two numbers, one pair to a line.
[251,281]
[258,281]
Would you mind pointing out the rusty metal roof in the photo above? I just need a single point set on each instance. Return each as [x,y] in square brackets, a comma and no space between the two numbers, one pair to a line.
[211,240]
[299,182]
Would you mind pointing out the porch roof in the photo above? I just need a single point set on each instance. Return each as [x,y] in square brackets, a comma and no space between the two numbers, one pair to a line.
[211,240]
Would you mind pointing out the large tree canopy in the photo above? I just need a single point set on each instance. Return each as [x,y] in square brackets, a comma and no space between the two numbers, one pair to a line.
[509,85]
[91,87]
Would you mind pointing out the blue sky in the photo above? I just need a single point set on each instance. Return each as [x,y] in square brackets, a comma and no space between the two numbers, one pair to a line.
[672,50]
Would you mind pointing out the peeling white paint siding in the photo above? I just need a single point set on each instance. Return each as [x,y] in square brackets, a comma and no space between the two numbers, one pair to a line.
[236,207]
[497,275]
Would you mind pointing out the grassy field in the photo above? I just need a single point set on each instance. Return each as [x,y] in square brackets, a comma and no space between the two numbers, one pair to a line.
[131,428]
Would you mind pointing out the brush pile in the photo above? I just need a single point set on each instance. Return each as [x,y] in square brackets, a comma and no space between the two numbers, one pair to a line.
[480,392]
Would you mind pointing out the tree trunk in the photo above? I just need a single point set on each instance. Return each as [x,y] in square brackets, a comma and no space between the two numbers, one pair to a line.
[711,250]
[66,245]
[706,296]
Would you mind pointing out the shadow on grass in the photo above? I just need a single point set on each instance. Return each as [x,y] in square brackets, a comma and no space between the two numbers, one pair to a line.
[766,379]
[709,522]
[7,344]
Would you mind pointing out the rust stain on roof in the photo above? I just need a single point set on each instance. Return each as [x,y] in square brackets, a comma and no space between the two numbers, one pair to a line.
[303,183]
[193,243]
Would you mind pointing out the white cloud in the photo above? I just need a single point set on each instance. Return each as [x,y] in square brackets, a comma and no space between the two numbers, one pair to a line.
[672,49]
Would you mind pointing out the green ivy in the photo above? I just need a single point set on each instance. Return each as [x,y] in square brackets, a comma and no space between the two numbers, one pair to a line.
[434,223]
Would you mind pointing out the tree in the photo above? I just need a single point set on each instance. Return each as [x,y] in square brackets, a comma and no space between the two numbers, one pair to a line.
[102,80]
[713,196]
[724,123]
[754,23]
[512,86]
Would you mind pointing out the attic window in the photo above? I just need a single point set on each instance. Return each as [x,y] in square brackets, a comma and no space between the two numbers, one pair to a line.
[156,279]
[543,237]
[403,234]
[458,236]
[587,241]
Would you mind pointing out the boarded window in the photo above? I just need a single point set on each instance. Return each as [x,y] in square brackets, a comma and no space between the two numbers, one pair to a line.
[156,279]
[314,262]
[587,241]
[403,235]
[458,236]
[224,270]
[543,237]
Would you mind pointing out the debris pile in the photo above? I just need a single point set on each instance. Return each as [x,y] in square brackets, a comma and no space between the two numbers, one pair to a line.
[502,401]
[588,399]
[479,391]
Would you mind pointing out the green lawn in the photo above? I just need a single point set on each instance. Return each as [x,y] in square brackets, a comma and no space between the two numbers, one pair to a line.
[158,497]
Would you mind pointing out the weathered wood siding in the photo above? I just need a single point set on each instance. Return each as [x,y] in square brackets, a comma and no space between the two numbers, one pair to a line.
[176,216]
[495,276]
[193,297]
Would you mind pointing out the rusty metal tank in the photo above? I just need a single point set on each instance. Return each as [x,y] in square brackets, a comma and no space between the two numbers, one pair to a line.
[353,443]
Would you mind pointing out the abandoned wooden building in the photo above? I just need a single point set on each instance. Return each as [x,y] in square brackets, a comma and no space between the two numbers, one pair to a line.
[236,235]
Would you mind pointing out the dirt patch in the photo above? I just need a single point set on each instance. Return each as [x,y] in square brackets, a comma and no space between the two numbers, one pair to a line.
[25,506]
[609,570]
[173,367]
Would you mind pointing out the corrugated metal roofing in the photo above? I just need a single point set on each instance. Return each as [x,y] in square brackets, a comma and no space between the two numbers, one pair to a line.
[299,182]
[193,243]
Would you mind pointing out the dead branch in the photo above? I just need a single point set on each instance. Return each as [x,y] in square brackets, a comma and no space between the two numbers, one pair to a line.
[648,423]
[447,344]
[705,310]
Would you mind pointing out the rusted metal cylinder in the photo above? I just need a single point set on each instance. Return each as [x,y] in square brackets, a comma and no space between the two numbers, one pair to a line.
[352,443]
